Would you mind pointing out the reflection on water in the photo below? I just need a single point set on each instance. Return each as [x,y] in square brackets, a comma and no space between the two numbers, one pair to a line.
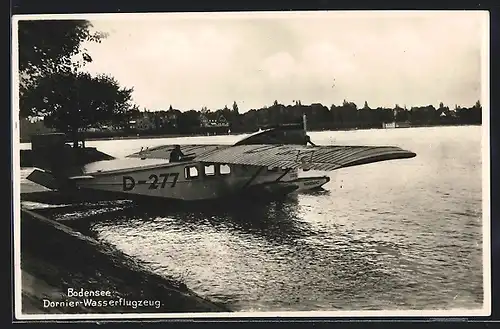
[395,235]
[277,221]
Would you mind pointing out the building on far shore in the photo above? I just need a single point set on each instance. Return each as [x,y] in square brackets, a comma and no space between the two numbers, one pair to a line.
[205,122]
[389,125]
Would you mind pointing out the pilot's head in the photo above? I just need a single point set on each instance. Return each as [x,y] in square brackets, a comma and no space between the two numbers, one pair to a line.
[177,147]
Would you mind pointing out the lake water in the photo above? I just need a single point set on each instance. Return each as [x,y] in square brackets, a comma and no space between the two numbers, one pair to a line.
[404,234]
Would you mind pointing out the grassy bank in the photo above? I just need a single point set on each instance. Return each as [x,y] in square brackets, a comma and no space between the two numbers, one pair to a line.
[55,258]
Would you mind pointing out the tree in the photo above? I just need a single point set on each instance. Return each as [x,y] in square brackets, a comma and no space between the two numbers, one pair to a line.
[476,113]
[133,112]
[189,122]
[50,46]
[72,102]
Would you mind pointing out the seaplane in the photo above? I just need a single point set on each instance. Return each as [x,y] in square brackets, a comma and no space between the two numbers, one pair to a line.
[264,164]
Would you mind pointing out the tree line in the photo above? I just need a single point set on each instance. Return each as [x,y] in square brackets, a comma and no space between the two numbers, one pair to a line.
[53,86]
[319,117]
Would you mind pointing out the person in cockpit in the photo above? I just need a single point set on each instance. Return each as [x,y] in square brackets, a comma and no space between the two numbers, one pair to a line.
[308,141]
[176,155]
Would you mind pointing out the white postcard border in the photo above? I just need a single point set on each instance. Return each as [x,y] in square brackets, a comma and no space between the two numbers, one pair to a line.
[485,101]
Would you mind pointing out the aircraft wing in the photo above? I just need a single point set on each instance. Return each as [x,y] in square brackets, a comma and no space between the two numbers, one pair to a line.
[163,151]
[322,158]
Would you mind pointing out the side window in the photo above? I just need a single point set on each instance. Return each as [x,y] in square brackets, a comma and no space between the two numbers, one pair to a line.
[191,172]
[225,169]
[209,170]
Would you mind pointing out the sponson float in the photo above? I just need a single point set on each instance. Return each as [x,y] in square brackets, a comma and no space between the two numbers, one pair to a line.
[265,163]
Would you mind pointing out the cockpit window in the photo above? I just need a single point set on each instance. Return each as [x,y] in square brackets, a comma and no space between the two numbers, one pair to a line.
[191,172]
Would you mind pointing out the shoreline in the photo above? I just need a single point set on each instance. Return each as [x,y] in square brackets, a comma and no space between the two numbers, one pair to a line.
[135,137]
[55,258]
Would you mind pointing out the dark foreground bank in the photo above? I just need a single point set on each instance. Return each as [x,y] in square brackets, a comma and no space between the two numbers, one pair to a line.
[55,258]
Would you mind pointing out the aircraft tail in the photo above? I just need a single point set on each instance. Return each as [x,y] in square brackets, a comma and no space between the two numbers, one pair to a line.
[44,179]
[53,182]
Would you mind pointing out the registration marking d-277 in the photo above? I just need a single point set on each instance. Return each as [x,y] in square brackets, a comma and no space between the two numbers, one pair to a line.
[155,181]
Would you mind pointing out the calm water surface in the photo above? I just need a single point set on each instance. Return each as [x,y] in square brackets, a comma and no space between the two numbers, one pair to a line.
[404,234]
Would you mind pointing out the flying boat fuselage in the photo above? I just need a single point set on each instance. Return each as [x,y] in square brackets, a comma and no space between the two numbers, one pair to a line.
[188,181]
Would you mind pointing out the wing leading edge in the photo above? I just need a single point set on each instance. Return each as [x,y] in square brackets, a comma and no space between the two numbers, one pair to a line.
[324,158]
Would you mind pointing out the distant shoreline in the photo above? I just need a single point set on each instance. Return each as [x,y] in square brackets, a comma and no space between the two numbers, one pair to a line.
[138,136]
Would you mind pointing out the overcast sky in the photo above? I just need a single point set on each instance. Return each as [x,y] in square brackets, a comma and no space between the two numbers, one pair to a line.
[198,60]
